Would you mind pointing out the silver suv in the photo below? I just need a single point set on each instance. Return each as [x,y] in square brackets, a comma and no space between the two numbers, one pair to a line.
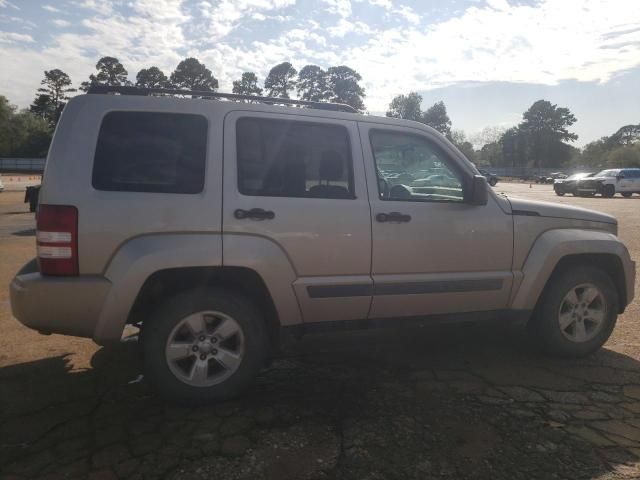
[215,224]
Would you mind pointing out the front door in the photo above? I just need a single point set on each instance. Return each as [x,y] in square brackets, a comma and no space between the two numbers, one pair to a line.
[298,181]
[433,252]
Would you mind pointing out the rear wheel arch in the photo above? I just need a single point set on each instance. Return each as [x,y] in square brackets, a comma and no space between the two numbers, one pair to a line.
[174,281]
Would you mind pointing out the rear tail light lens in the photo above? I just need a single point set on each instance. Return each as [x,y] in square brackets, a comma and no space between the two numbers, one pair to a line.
[57,239]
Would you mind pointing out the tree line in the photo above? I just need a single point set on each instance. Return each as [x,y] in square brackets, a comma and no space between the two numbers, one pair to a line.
[542,139]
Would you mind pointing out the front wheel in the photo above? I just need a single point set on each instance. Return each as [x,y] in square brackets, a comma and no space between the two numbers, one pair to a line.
[559,191]
[609,191]
[493,182]
[203,346]
[576,313]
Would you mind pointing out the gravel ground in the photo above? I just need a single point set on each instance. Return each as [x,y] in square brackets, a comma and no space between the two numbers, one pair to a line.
[463,401]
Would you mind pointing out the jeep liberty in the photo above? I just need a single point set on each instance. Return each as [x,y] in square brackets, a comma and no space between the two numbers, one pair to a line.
[215,224]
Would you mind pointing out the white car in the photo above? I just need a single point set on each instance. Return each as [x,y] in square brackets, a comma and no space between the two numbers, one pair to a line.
[625,181]
[1,185]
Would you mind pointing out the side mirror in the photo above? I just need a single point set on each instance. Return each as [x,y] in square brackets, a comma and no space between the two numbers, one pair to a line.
[479,194]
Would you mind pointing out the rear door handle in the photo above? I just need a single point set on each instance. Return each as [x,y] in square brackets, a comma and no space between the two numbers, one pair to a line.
[394,217]
[254,214]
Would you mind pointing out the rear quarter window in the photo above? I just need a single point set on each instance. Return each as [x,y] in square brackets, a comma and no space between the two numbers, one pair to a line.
[151,152]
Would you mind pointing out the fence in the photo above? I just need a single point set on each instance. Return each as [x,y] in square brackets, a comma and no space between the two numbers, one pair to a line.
[22,165]
[527,172]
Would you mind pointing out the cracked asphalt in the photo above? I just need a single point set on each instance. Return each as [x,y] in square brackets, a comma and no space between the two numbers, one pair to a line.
[459,401]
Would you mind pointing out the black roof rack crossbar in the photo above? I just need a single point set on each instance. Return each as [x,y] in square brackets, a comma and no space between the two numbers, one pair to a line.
[128,90]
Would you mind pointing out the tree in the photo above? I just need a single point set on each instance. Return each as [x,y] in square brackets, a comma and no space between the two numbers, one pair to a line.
[459,139]
[626,135]
[546,127]
[281,80]
[344,87]
[247,85]
[151,77]
[52,95]
[312,84]
[110,72]
[190,74]
[22,134]
[406,106]
[43,107]
[436,117]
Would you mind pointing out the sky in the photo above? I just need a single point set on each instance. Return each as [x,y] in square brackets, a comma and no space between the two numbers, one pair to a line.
[488,60]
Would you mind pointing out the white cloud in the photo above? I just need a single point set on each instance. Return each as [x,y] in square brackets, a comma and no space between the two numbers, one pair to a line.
[51,8]
[587,40]
[339,7]
[7,3]
[11,37]
[58,22]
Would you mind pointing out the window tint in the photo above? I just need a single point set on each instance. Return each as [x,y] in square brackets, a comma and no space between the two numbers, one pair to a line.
[631,173]
[412,168]
[151,152]
[293,159]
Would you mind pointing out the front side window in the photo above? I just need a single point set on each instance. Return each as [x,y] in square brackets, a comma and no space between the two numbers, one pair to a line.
[281,158]
[151,152]
[607,173]
[412,168]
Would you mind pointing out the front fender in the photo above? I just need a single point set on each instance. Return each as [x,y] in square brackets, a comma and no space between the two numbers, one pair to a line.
[550,247]
[139,258]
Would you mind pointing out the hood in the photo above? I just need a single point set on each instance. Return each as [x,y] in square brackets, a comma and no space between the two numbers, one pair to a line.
[521,206]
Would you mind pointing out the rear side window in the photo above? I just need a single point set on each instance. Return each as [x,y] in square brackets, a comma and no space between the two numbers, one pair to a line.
[151,152]
[293,159]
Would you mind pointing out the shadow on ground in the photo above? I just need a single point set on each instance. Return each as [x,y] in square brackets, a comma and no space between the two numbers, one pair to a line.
[447,402]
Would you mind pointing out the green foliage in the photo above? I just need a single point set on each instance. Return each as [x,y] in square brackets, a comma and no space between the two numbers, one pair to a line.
[406,106]
[625,156]
[110,72]
[344,87]
[22,134]
[247,85]
[152,77]
[622,149]
[459,139]
[436,117]
[312,84]
[190,74]
[52,96]
[281,80]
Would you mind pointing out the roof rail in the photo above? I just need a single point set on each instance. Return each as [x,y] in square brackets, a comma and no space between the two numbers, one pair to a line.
[128,90]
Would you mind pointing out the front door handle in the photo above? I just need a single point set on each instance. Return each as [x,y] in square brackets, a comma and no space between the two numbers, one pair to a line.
[394,217]
[254,214]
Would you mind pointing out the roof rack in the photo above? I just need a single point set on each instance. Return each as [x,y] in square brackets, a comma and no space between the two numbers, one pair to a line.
[128,90]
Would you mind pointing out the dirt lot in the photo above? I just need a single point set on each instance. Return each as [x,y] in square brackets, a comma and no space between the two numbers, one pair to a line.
[464,401]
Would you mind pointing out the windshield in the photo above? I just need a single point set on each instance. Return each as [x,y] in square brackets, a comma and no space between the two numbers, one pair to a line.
[607,173]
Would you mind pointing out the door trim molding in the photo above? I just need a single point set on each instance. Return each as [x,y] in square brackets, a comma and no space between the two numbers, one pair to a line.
[405,288]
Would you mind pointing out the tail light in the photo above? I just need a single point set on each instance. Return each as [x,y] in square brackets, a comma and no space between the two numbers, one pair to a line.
[57,239]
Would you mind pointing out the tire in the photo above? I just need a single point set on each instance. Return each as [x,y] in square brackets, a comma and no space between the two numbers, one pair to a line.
[608,191]
[554,308]
[626,194]
[493,182]
[559,191]
[245,351]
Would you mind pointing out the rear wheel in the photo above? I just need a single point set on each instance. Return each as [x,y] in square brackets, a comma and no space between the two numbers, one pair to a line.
[493,181]
[203,346]
[576,313]
[609,191]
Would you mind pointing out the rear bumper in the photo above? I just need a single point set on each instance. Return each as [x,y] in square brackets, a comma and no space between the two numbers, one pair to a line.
[65,305]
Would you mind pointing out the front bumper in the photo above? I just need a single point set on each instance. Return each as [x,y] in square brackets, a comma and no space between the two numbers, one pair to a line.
[65,305]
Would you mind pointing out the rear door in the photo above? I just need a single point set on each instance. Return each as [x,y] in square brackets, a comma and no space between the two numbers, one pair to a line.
[299,182]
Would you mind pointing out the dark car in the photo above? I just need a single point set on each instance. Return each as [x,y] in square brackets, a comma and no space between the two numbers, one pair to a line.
[31,195]
[492,179]
[569,184]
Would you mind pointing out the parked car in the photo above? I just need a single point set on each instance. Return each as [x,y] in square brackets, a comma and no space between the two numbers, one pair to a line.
[31,195]
[215,226]
[492,179]
[607,183]
[1,185]
[550,178]
[570,184]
